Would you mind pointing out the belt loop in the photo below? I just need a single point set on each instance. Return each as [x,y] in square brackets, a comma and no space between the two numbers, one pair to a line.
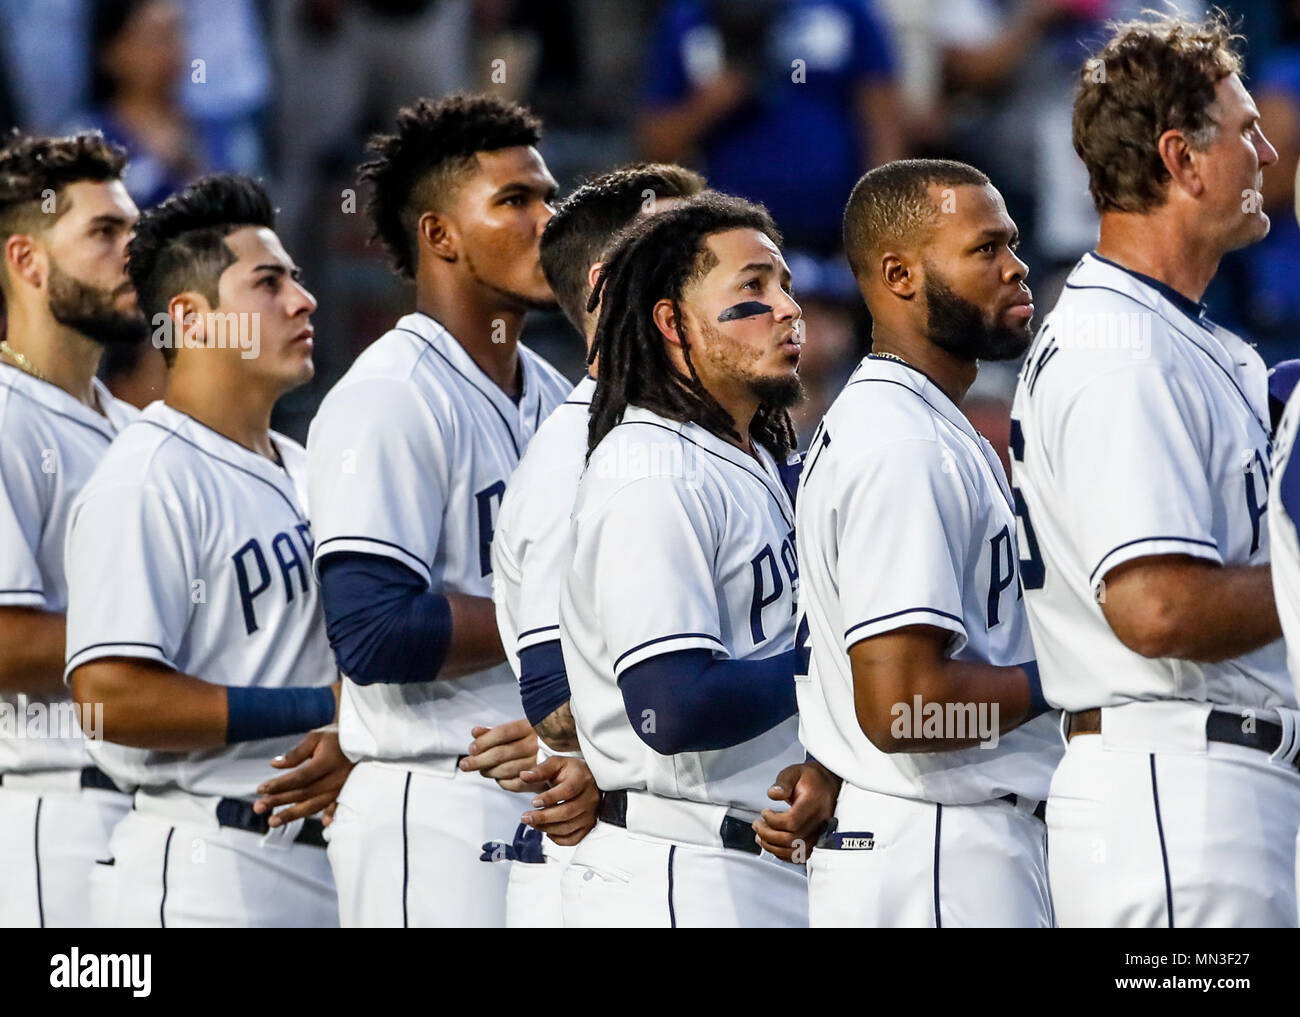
[1062,723]
[1285,753]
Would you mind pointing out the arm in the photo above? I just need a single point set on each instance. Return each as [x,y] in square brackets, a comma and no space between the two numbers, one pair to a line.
[671,133]
[148,705]
[1190,608]
[32,647]
[544,687]
[880,120]
[687,701]
[989,64]
[890,669]
[386,627]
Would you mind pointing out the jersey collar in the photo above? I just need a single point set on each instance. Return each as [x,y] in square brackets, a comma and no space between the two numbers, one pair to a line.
[762,469]
[521,417]
[218,446]
[1194,309]
[54,399]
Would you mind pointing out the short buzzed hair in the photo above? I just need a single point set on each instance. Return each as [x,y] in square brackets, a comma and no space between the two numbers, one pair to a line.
[587,221]
[433,149]
[35,168]
[891,205]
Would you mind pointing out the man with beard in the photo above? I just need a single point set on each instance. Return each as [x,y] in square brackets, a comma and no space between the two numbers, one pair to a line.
[64,221]
[408,459]
[921,690]
[677,609]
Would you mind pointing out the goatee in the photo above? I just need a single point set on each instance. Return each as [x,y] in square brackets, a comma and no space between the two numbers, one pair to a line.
[778,393]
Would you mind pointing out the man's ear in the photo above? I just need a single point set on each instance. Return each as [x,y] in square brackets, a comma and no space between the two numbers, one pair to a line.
[1182,162]
[665,319]
[25,260]
[187,316]
[437,234]
[593,273]
[899,274]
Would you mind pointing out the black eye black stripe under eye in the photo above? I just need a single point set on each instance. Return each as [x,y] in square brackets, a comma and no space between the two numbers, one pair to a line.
[745,309]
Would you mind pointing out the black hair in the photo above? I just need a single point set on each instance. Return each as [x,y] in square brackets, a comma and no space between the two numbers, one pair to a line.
[180,244]
[657,258]
[435,144]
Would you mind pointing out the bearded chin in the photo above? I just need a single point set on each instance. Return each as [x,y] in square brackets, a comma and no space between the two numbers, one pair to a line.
[960,328]
[778,393]
[91,312]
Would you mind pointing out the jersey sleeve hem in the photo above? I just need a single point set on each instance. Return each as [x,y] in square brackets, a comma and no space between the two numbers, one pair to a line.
[1145,547]
[22,598]
[665,644]
[374,546]
[536,637]
[97,651]
[881,624]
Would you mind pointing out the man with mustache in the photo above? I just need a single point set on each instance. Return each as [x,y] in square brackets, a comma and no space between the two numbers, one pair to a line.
[1141,441]
[917,682]
[64,221]
[677,608]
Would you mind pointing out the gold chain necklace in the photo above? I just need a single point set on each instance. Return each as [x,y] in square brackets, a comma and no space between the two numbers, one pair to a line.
[21,362]
[890,356]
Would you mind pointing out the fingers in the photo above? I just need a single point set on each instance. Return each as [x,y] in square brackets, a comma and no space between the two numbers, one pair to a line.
[516,784]
[327,816]
[303,750]
[570,833]
[329,785]
[512,731]
[563,813]
[783,787]
[304,776]
[547,771]
[522,752]
[303,809]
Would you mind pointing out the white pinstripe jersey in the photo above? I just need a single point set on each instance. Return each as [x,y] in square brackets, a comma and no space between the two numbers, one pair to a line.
[905,518]
[679,541]
[188,549]
[1139,428]
[408,459]
[50,443]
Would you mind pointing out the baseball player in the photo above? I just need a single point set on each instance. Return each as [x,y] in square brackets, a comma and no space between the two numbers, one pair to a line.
[921,689]
[528,549]
[677,609]
[1140,448]
[192,616]
[64,221]
[408,459]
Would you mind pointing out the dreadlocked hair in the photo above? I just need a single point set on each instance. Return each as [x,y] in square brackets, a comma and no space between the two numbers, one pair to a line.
[659,257]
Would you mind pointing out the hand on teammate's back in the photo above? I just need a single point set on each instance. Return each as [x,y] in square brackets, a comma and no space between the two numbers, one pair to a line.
[811,790]
[566,811]
[501,753]
[317,769]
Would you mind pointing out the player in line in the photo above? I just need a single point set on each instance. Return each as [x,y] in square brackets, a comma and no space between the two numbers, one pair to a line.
[1143,475]
[677,609]
[192,616]
[922,691]
[409,456]
[528,550]
[67,298]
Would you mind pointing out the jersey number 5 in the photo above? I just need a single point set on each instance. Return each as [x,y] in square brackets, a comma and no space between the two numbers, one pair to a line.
[1032,571]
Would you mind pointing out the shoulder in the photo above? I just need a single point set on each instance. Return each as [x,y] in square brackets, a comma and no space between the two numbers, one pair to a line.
[885,408]
[545,372]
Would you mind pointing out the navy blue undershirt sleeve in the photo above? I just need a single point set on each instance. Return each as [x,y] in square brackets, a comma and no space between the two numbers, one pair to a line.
[1037,704]
[254,713]
[697,703]
[543,681]
[382,622]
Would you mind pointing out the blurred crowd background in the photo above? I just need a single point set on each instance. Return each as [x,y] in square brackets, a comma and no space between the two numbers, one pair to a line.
[782,101]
